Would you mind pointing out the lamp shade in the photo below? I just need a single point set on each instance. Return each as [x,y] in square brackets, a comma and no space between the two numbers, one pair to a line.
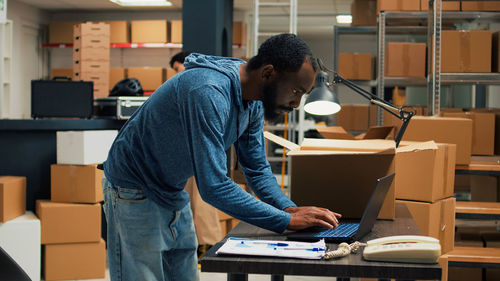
[321,101]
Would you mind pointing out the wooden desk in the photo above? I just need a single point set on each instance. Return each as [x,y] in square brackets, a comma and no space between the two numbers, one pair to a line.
[353,265]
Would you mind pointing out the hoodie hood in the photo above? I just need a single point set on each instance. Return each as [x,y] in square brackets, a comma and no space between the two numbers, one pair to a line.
[225,65]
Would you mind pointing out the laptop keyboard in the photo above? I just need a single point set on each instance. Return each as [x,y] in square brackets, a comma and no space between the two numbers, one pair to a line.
[342,230]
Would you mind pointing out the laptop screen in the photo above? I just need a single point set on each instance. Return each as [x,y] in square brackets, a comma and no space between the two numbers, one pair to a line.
[374,205]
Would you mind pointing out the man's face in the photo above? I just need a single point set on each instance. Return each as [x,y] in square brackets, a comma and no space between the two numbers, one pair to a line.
[285,91]
[178,67]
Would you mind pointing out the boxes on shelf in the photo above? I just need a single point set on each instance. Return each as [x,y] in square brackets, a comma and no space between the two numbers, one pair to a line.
[364,12]
[398,5]
[425,171]
[443,130]
[446,5]
[69,223]
[354,117]
[491,6]
[61,72]
[170,72]
[405,59]
[84,147]
[148,31]
[355,66]
[151,78]
[61,32]
[75,261]
[12,197]
[175,31]
[239,33]
[435,219]
[483,188]
[116,74]
[337,132]
[483,131]
[321,166]
[496,52]
[75,183]
[466,51]
[20,238]
[119,32]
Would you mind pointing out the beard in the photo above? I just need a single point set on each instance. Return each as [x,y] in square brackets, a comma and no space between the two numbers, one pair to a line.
[272,111]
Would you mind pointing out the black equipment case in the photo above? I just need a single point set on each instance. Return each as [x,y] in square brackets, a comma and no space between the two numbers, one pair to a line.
[53,98]
[117,107]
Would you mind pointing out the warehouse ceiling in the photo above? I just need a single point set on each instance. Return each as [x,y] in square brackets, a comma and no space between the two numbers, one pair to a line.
[314,16]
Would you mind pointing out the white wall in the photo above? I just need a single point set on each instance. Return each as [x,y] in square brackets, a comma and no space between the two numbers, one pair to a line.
[27,58]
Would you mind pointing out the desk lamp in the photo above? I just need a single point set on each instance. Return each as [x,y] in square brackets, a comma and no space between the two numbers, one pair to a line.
[321,101]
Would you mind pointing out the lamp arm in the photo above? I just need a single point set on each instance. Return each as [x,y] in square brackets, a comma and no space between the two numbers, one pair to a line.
[403,115]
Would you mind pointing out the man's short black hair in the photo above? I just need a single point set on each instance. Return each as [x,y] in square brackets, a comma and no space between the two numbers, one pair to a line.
[285,52]
[179,57]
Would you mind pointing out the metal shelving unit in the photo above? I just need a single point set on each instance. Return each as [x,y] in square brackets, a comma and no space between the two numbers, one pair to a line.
[5,67]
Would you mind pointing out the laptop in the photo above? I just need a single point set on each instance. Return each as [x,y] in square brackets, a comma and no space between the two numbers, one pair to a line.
[351,230]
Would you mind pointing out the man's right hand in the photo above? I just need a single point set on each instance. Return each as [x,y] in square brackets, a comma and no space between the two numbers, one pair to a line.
[304,217]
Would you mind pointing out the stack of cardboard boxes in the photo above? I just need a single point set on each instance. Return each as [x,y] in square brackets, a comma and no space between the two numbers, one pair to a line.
[91,56]
[19,229]
[71,220]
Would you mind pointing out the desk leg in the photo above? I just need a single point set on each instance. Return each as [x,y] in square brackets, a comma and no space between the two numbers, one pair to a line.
[237,277]
[277,278]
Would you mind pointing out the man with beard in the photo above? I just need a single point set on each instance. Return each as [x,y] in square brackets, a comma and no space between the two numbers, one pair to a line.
[184,129]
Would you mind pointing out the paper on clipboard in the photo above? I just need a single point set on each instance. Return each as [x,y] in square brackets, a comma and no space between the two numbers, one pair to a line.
[273,248]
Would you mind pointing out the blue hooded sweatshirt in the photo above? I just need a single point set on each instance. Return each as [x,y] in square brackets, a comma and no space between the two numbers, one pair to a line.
[184,129]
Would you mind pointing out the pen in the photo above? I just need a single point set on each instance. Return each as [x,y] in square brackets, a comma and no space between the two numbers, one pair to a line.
[265,243]
[307,249]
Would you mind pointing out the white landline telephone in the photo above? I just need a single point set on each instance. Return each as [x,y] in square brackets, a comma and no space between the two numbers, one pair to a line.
[403,248]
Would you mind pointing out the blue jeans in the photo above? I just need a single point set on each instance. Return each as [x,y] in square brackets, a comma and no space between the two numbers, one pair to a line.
[146,241]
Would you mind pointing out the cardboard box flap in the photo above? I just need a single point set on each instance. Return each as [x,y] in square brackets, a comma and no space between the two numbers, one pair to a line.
[378,132]
[417,146]
[281,141]
[347,145]
[334,132]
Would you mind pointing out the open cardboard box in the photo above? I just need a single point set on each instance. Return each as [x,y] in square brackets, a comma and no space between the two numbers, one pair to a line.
[338,132]
[339,174]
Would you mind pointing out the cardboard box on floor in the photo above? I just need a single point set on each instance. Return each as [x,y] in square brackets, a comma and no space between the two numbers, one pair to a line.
[425,171]
[75,183]
[364,12]
[466,51]
[75,261]
[337,132]
[443,130]
[69,223]
[148,31]
[12,197]
[398,5]
[483,131]
[339,174]
[355,66]
[435,219]
[405,59]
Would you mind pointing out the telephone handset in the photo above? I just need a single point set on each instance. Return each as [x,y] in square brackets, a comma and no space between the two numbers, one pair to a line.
[403,248]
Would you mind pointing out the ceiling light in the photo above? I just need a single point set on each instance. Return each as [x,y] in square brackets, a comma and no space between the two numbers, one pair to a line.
[344,19]
[142,3]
